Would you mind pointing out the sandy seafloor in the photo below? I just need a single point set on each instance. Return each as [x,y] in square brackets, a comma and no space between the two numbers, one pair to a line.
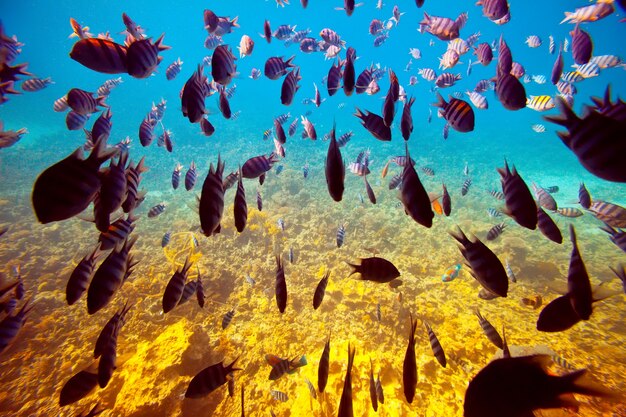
[158,356]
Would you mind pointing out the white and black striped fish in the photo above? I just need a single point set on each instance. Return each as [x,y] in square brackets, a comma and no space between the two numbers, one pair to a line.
[209,379]
[190,177]
[276,67]
[279,396]
[79,280]
[156,210]
[83,102]
[36,84]
[11,325]
[466,185]
[173,69]
[228,317]
[495,231]
[551,45]
[134,197]
[60,104]
[175,287]
[519,201]
[492,212]
[490,331]
[544,198]
[509,271]
[188,292]
[117,232]
[176,176]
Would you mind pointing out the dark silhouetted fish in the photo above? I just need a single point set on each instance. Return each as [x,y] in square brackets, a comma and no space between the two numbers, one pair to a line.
[188,291]
[117,232]
[373,395]
[370,191]
[11,325]
[584,198]
[110,276]
[142,56]
[75,121]
[609,213]
[133,177]
[211,205]
[223,105]
[176,176]
[413,195]
[379,390]
[79,386]
[348,71]
[494,9]
[558,315]
[156,210]
[374,124]
[375,269]
[290,86]
[446,202]
[223,67]
[257,166]
[146,131]
[108,357]
[281,286]
[113,188]
[193,95]
[228,317]
[557,69]
[582,46]
[617,236]
[490,331]
[409,366]
[484,53]
[102,126]
[207,128]
[100,55]
[324,364]
[66,188]
[276,67]
[520,204]
[79,280]
[108,331]
[334,78]
[320,290]
[281,366]
[83,102]
[335,169]
[345,403]
[200,291]
[518,386]
[406,123]
[578,285]
[484,264]
[548,227]
[209,379]
[175,287]
[240,206]
[440,355]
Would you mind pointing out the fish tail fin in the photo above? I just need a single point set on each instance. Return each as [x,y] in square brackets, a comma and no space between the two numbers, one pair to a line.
[355,268]
[302,361]
[579,382]
[607,228]
[351,353]
[568,17]
[440,101]
[100,153]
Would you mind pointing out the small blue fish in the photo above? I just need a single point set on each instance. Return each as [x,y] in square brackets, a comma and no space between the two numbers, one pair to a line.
[279,169]
[281,224]
[451,273]
[166,239]
[305,170]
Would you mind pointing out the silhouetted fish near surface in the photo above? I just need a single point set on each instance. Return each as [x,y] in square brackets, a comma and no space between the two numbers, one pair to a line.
[517,386]
[320,290]
[375,269]
[66,188]
[490,331]
[209,379]
[484,264]
[520,204]
[324,364]
[345,404]
[409,366]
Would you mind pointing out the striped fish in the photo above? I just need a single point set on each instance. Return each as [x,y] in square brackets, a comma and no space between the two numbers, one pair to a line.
[478,100]
[492,212]
[447,79]
[146,131]
[117,232]
[133,177]
[440,355]
[584,198]
[209,379]
[108,85]
[157,210]
[509,271]
[449,59]
[60,104]
[538,128]
[228,317]
[495,231]
[494,9]
[175,287]
[458,113]
[110,276]
[279,396]
[485,266]
[257,166]
[102,126]
[113,186]
[100,55]
[259,200]
[311,388]
[211,207]
[588,70]
[395,182]
[466,185]
[276,67]
[606,61]
[80,277]
[548,227]
[544,198]
[427,73]
[379,390]
[223,67]
[374,124]
[280,286]
[36,84]
[409,366]
[533,41]
[79,386]
[413,195]
[323,367]
[442,27]
[498,195]
[194,92]
[142,57]
[571,77]
[109,330]
[373,394]
[108,356]
[173,69]
[484,53]
[75,121]
[293,127]
[176,176]
[11,325]
[519,201]
[320,290]
[490,331]
[458,45]
[66,188]
[188,292]
[540,103]
[345,403]
[582,46]
[590,13]
[551,45]
[406,122]
[617,236]
[334,170]
[569,212]
[566,88]
[290,86]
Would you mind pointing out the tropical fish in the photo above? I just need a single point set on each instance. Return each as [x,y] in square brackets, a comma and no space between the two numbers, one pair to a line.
[240,206]
[495,231]
[335,169]
[375,269]
[440,355]
[509,271]
[281,286]
[413,195]
[11,325]
[80,277]
[451,273]
[548,227]
[320,290]
[345,404]
[520,204]
[174,289]
[490,331]
[282,366]
[458,113]
[211,205]
[324,364]
[409,367]
[209,379]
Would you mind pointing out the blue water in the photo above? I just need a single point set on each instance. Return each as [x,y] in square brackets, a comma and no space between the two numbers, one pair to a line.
[50,252]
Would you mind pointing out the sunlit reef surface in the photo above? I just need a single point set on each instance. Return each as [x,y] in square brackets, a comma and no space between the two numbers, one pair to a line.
[158,355]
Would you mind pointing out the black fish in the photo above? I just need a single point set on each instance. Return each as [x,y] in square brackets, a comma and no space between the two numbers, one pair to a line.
[409,366]
[175,287]
[413,195]
[320,290]
[207,128]
[490,331]
[142,56]
[558,315]
[335,169]
[485,266]
[440,355]
[322,370]
[557,69]
[334,77]
[348,71]
[211,205]
[281,286]
[83,102]
[280,132]
[406,123]
[374,124]
[582,46]
[375,269]
[193,95]
[259,201]
[228,317]
[209,379]
[578,285]
[240,206]
[510,91]
[189,290]
[290,86]
[617,236]
[190,177]
[345,404]
[100,55]
[389,109]
[114,323]
[276,67]
[117,232]
[548,227]
[134,197]
[373,394]
[79,386]
[224,105]
[517,386]
[223,67]
[68,187]
[370,192]
[458,113]
[520,204]
[200,291]
[11,325]
[79,280]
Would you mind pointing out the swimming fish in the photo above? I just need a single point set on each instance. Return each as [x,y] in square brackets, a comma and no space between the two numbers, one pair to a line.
[375,269]
[409,367]
[320,290]
[281,366]
[281,286]
[373,394]
[209,379]
[174,289]
[324,364]
[451,273]
[345,404]
[490,331]
[438,351]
